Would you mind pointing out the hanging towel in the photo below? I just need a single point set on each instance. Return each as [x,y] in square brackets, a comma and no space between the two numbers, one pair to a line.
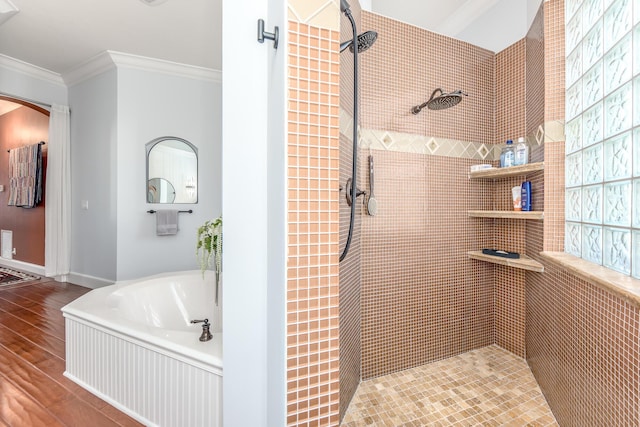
[25,174]
[166,222]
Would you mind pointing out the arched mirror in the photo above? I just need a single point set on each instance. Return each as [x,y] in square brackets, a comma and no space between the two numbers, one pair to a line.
[172,171]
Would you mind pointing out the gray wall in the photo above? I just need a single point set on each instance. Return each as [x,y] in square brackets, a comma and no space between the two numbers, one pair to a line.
[151,105]
[93,105]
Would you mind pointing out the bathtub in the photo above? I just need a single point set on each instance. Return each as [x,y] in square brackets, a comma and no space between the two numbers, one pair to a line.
[132,344]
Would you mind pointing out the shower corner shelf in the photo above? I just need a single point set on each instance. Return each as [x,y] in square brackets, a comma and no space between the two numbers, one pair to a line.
[497,173]
[524,262]
[507,214]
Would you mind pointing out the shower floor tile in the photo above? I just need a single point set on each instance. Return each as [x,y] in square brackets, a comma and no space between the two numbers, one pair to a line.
[485,387]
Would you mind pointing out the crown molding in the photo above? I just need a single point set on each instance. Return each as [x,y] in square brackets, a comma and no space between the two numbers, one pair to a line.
[110,59]
[30,70]
[90,68]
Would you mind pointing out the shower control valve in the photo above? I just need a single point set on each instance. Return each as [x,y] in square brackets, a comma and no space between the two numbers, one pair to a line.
[349,189]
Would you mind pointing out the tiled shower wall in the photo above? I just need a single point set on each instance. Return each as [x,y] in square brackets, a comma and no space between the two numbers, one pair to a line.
[582,341]
[509,234]
[422,299]
[312,265]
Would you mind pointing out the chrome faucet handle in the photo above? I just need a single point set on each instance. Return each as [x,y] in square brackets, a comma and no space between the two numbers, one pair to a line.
[206,334]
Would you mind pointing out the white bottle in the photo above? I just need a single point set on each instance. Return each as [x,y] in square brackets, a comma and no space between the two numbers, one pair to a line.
[521,152]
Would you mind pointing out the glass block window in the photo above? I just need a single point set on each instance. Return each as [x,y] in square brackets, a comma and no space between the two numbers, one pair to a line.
[602,146]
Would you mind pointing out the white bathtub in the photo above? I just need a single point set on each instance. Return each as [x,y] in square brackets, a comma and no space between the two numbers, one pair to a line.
[132,344]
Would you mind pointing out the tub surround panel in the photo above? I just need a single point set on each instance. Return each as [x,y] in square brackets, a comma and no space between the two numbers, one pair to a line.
[146,358]
[312,334]
[125,375]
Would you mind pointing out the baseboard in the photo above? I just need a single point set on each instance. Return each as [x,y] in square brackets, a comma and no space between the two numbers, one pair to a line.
[22,266]
[87,281]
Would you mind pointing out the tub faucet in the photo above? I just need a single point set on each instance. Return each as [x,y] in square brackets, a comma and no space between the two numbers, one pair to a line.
[206,334]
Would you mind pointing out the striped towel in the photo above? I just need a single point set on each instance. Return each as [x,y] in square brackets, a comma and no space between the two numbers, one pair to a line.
[25,175]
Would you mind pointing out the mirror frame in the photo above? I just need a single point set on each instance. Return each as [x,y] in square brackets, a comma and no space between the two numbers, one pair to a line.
[149,146]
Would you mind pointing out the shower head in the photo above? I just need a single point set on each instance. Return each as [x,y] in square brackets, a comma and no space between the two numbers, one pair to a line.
[440,102]
[365,41]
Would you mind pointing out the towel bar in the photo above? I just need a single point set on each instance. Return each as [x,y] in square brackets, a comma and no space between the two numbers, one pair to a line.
[152,211]
[41,143]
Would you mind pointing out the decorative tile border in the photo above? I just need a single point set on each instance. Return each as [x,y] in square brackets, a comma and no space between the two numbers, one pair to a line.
[421,144]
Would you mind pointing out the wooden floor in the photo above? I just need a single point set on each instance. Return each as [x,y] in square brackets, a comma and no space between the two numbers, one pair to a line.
[33,391]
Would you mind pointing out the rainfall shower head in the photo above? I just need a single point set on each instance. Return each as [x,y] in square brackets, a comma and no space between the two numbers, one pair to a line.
[365,41]
[440,102]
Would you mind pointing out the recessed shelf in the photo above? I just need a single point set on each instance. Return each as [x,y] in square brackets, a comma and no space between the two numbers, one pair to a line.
[524,262]
[496,173]
[507,214]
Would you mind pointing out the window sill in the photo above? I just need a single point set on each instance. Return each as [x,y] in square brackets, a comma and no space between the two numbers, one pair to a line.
[625,287]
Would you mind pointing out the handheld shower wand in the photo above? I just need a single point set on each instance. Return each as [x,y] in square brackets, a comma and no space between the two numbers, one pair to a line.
[344,7]
[357,44]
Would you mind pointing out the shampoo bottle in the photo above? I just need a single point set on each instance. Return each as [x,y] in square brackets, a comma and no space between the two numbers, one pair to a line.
[525,196]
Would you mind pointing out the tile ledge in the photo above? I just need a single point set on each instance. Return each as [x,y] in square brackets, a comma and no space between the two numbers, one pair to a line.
[625,287]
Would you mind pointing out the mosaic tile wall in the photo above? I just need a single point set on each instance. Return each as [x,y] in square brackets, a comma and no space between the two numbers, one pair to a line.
[407,64]
[582,341]
[554,111]
[422,298]
[312,266]
[583,349]
[535,80]
[509,234]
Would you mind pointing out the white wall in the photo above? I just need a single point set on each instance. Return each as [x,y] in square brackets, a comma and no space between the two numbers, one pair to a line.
[277,222]
[497,28]
[151,105]
[254,215]
[93,106]
[25,81]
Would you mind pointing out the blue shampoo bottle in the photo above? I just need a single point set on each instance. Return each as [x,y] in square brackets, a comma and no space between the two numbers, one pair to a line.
[525,195]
